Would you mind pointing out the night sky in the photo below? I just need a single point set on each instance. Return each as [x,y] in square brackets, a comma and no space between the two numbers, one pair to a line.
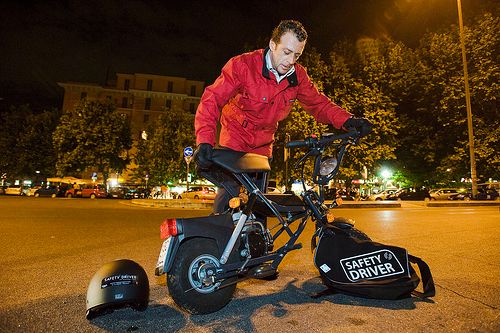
[44,42]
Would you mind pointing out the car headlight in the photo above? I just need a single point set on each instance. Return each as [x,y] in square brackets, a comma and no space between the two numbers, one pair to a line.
[327,166]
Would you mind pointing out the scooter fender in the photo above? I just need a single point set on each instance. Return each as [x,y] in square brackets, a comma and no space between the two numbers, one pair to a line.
[216,227]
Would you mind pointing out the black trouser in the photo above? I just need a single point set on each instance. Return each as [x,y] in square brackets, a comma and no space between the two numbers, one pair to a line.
[232,188]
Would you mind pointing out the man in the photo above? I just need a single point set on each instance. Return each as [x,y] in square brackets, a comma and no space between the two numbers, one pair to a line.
[255,91]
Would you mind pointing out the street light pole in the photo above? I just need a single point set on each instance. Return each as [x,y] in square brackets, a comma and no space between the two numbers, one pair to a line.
[467,103]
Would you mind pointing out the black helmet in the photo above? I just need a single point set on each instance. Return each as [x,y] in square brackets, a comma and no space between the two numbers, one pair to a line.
[117,284]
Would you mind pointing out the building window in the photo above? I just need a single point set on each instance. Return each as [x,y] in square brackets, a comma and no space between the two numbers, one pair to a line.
[192,107]
[83,95]
[150,85]
[193,90]
[146,118]
[170,86]
[147,104]
[125,102]
[168,104]
[126,84]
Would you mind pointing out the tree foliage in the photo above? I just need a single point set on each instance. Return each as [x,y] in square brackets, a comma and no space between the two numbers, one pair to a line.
[93,136]
[26,142]
[437,137]
[161,155]
[353,79]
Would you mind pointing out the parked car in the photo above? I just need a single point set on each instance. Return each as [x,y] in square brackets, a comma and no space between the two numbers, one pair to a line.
[381,195]
[14,190]
[271,189]
[483,194]
[199,192]
[30,191]
[443,193]
[137,193]
[410,194]
[118,192]
[88,191]
[50,191]
[95,191]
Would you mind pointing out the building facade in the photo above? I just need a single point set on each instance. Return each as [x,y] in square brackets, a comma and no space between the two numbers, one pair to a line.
[142,98]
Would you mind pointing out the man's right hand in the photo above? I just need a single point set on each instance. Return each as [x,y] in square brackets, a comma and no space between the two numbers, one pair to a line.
[203,155]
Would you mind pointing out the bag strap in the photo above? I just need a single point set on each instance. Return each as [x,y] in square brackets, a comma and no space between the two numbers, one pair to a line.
[427,281]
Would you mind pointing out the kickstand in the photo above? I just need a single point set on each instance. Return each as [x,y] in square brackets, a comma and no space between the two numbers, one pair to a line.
[325,292]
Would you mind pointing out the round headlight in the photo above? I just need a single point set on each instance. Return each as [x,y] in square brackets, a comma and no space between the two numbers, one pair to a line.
[327,166]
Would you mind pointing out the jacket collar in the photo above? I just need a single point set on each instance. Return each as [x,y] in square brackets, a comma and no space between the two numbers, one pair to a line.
[292,78]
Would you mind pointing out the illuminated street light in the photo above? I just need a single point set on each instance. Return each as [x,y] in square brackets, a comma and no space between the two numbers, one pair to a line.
[386,173]
[467,103]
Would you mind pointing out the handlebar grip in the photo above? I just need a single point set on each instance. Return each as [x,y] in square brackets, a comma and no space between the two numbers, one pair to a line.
[296,144]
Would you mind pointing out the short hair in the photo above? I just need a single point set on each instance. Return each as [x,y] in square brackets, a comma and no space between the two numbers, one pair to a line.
[289,25]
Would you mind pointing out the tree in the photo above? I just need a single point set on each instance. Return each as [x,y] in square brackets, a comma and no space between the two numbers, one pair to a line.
[353,79]
[161,155]
[93,136]
[441,115]
[26,142]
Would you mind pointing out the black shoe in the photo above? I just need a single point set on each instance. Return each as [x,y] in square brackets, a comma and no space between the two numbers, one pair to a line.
[264,272]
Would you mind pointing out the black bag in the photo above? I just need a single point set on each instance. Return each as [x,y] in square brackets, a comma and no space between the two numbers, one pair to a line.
[350,263]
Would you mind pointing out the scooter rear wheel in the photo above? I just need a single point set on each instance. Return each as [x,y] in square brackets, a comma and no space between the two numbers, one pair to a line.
[187,280]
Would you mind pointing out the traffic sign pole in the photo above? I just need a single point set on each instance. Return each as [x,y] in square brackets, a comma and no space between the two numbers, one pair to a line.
[188,155]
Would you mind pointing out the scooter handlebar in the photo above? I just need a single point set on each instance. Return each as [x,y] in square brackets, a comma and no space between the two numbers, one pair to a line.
[313,141]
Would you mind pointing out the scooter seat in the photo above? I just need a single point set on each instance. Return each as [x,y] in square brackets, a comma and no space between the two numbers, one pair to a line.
[240,162]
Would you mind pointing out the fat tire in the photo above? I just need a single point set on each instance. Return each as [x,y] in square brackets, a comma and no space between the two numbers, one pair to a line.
[358,234]
[179,287]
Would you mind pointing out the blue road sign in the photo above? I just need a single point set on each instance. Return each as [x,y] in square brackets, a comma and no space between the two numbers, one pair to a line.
[188,151]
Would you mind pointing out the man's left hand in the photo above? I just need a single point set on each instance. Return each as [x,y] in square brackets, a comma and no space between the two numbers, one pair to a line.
[362,125]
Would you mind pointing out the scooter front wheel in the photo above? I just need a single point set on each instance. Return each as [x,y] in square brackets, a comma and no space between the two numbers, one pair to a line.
[191,282]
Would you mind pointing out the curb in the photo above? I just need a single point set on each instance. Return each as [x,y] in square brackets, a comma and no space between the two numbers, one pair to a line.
[463,203]
[207,204]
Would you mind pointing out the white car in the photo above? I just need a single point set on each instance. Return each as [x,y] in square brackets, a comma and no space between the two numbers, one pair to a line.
[14,190]
[381,195]
[199,192]
[443,193]
[30,191]
[272,190]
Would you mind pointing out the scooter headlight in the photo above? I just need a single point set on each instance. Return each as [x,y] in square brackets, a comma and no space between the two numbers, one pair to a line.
[327,166]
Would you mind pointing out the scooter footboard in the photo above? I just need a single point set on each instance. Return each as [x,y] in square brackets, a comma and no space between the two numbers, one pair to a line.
[216,227]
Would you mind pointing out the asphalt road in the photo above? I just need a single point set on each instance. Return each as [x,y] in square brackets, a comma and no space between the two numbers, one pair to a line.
[50,248]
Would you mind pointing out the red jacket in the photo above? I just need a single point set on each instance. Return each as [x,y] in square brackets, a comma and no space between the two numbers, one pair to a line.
[252,104]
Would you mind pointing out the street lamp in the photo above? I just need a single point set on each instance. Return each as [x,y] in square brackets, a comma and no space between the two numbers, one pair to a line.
[467,103]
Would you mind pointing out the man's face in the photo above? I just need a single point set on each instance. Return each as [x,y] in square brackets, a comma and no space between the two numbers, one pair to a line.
[286,52]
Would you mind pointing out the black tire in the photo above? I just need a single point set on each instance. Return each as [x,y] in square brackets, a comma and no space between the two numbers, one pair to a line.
[189,295]
[351,231]
[355,233]
[69,195]
[196,197]
[92,196]
[37,194]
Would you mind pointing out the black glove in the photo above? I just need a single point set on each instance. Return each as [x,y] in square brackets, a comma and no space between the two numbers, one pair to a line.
[203,155]
[362,125]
